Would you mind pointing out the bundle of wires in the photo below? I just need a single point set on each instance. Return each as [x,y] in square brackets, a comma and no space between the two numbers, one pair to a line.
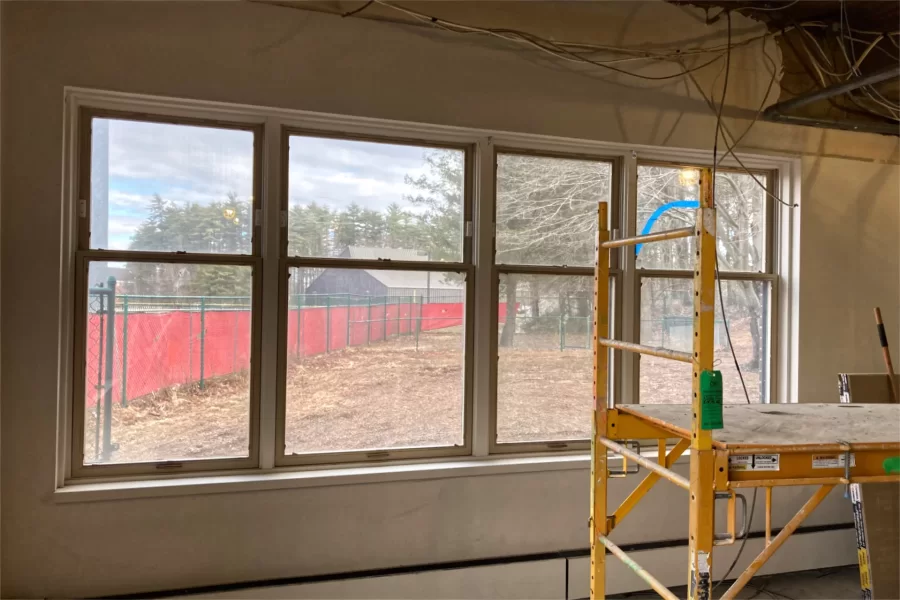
[624,60]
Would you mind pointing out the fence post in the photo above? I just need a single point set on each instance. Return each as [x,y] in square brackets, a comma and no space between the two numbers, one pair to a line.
[327,323]
[236,314]
[202,339]
[299,323]
[347,304]
[562,333]
[368,319]
[110,343]
[419,322]
[190,342]
[409,320]
[101,340]
[384,319]
[124,399]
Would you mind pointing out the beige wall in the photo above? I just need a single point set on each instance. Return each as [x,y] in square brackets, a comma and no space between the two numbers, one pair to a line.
[256,54]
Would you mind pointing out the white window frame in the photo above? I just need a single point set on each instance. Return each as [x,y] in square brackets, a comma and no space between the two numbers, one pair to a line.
[464,266]
[616,224]
[481,282]
[768,275]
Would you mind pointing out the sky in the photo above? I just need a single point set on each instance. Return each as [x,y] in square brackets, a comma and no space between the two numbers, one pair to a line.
[203,165]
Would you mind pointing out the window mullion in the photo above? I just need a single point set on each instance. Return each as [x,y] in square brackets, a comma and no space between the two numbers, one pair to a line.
[484,409]
[630,288]
[269,232]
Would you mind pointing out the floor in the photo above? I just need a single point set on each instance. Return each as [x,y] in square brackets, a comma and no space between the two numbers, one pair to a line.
[841,583]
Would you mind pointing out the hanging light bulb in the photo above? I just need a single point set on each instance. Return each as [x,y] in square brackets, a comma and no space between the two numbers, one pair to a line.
[236,220]
[229,213]
[688,177]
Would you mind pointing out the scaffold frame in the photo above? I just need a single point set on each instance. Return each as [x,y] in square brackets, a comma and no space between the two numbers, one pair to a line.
[795,444]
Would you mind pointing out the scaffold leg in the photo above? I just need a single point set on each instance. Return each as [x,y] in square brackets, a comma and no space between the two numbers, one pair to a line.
[701,521]
[599,524]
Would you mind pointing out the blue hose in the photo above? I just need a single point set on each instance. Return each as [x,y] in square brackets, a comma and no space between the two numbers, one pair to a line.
[659,212]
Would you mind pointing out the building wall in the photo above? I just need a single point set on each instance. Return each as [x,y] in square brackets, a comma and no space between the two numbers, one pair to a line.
[849,259]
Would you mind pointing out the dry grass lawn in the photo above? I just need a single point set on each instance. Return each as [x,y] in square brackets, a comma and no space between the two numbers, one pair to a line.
[387,395]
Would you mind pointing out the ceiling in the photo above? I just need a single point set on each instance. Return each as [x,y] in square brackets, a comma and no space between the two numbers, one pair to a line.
[814,54]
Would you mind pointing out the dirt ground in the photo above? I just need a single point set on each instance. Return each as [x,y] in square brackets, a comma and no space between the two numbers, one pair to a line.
[388,395]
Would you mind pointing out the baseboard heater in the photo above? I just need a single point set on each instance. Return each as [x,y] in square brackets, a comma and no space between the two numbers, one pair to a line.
[554,575]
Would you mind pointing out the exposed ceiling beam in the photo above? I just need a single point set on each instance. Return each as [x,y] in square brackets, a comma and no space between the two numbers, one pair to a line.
[780,112]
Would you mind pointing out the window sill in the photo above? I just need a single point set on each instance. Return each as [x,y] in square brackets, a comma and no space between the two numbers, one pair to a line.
[259,481]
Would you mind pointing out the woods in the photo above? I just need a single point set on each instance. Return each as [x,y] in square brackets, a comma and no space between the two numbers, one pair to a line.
[545,216]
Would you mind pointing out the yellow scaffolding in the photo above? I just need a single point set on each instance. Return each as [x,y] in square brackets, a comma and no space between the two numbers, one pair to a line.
[759,446]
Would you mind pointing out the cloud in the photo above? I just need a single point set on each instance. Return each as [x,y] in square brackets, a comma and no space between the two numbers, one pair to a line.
[188,164]
[338,172]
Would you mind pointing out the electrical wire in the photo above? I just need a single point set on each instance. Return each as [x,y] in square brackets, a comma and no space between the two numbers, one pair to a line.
[812,74]
[561,50]
[358,10]
[869,91]
[724,92]
[767,9]
[759,111]
[722,300]
[553,48]
[730,149]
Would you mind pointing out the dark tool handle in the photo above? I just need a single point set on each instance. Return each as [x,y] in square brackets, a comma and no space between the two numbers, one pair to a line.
[886,351]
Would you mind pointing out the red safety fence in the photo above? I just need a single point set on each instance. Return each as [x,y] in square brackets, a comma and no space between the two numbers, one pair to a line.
[157,350]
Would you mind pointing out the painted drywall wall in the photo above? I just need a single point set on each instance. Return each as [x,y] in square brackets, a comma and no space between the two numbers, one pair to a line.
[257,54]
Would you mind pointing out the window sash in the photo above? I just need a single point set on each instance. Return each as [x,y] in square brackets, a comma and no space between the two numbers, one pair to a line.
[769,353]
[78,468]
[614,385]
[769,247]
[616,172]
[466,224]
[85,132]
[465,266]
[84,255]
[282,459]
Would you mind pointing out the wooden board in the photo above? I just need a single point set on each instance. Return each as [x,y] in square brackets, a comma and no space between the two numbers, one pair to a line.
[784,424]
[876,506]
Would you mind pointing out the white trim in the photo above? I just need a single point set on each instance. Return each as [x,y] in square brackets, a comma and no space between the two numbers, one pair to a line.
[550,578]
[787,239]
[68,238]
[430,132]
[314,476]
[310,476]
[273,119]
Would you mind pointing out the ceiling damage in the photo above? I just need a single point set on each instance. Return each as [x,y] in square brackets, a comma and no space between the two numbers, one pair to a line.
[840,60]
[838,65]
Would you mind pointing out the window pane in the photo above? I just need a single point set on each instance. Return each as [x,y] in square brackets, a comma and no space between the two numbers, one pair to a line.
[547,209]
[667,199]
[667,320]
[167,362]
[162,187]
[375,360]
[373,200]
[545,364]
